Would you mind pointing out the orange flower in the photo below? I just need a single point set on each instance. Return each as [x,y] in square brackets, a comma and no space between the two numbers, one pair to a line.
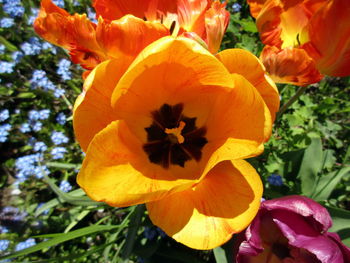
[171,130]
[300,30]
[122,28]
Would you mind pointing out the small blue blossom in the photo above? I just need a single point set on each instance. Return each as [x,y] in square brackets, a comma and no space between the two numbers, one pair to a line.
[59,93]
[33,115]
[63,69]
[13,8]
[59,3]
[28,165]
[4,132]
[17,56]
[31,19]
[6,67]
[58,138]
[2,49]
[37,126]
[4,244]
[58,153]
[45,212]
[91,15]
[39,79]
[4,114]
[32,47]
[236,7]
[65,186]
[61,118]
[47,45]
[40,147]
[10,213]
[151,233]
[275,179]
[3,230]
[25,244]
[25,127]
[6,22]
[44,114]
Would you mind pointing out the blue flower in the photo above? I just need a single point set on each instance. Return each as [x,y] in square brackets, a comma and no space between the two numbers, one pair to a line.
[36,126]
[59,3]
[33,115]
[10,213]
[236,7]
[31,19]
[13,8]
[39,79]
[6,67]
[4,114]
[17,56]
[63,69]
[28,165]
[2,49]
[47,45]
[25,127]
[32,47]
[91,15]
[4,132]
[58,153]
[44,114]
[58,138]
[61,118]
[4,244]
[59,92]
[275,179]
[40,147]
[25,244]
[6,22]
[65,186]
[3,230]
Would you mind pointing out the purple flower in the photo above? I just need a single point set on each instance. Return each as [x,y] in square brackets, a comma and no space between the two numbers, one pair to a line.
[292,229]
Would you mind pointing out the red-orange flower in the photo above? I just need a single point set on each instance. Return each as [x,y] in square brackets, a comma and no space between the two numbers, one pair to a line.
[128,27]
[316,32]
[171,130]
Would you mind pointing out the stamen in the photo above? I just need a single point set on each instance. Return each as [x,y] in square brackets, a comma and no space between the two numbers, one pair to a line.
[176,133]
[172,27]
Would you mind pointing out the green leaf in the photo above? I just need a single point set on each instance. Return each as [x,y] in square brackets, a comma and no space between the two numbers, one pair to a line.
[341,219]
[135,222]
[60,239]
[327,183]
[63,165]
[311,165]
[220,255]
[77,219]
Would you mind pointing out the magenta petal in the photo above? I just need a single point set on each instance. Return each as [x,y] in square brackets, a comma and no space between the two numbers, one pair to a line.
[311,210]
[302,235]
[345,250]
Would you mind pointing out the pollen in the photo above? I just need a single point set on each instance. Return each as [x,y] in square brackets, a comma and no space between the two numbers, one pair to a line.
[175,133]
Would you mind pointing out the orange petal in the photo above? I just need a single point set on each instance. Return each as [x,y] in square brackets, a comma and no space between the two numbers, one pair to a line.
[92,110]
[290,65]
[111,171]
[332,57]
[73,32]
[255,6]
[216,22]
[115,9]
[207,215]
[242,62]
[128,35]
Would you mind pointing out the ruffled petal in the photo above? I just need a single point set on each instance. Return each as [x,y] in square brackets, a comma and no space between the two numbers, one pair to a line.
[128,35]
[255,7]
[290,65]
[216,22]
[242,62]
[207,215]
[92,109]
[332,57]
[73,32]
[113,173]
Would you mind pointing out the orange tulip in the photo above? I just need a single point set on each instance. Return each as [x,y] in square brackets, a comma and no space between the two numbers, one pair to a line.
[128,28]
[171,130]
[305,38]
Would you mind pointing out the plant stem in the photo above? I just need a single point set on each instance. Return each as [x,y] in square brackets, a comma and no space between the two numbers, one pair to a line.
[291,101]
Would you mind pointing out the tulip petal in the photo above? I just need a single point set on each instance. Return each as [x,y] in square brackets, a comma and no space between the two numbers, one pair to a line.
[242,62]
[73,32]
[300,234]
[128,35]
[333,56]
[290,65]
[92,110]
[111,171]
[207,215]
[255,7]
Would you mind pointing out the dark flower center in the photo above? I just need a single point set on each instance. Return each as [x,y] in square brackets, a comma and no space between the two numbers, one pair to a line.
[173,138]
